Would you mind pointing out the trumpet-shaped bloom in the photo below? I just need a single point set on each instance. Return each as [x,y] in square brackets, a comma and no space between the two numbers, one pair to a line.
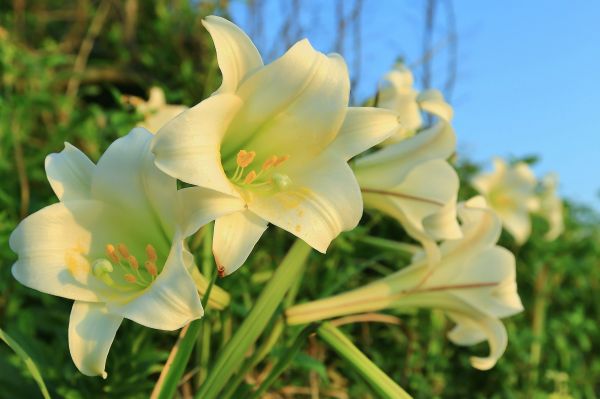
[156,111]
[551,207]
[114,244]
[278,137]
[412,182]
[510,191]
[398,94]
[474,284]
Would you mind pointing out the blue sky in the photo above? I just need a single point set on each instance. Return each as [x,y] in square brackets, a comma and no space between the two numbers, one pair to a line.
[528,78]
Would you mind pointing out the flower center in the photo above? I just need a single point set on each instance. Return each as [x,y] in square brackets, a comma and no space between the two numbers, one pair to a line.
[267,176]
[119,269]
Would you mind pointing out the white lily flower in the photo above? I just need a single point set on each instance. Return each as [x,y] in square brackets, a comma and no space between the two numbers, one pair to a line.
[551,207]
[412,182]
[398,94]
[156,111]
[278,137]
[114,244]
[510,191]
[474,284]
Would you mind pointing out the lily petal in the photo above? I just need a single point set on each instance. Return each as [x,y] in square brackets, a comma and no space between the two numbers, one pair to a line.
[236,54]
[50,244]
[170,302]
[437,142]
[92,330]
[397,93]
[298,101]
[517,223]
[493,330]
[199,206]
[127,178]
[187,147]
[433,102]
[322,202]
[235,236]
[364,128]
[70,173]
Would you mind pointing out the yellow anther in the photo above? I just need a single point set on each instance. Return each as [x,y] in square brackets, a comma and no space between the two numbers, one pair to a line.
[151,267]
[245,158]
[130,278]
[281,160]
[112,253]
[133,262]
[269,162]
[151,253]
[123,250]
[250,177]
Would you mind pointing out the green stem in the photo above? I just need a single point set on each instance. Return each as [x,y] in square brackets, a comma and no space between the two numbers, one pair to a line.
[285,360]
[166,386]
[31,366]
[385,244]
[233,354]
[379,381]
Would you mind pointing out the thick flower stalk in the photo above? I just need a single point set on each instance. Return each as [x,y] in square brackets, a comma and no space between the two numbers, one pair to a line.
[474,283]
[411,181]
[114,244]
[278,137]
[551,207]
[510,191]
[398,94]
[156,111]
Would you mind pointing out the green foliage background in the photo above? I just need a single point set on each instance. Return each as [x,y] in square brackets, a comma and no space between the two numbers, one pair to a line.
[48,96]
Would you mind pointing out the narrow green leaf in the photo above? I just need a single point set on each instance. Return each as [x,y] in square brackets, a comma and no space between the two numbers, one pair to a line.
[285,360]
[31,366]
[167,383]
[232,355]
[379,381]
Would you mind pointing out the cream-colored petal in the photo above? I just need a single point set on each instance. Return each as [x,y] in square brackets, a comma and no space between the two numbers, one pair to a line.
[492,266]
[235,236]
[170,302]
[321,202]
[70,173]
[295,105]
[493,330]
[188,147]
[397,94]
[481,229]
[517,223]
[437,142]
[92,330]
[51,245]
[127,178]
[424,199]
[156,119]
[433,102]
[364,128]
[199,206]
[236,54]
